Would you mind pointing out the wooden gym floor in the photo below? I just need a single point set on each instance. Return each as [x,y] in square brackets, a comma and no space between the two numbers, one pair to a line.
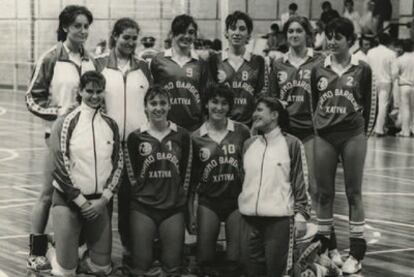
[388,192]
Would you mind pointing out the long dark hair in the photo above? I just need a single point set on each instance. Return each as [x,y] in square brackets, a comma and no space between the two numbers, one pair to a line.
[68,16]
[275,105]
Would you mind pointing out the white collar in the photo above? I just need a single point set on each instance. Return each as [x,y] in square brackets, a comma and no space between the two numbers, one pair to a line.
[328,61]
[309,53]
[229,127]
[246,56]
[85,108]
[172,126]
[169,53]
[274,133]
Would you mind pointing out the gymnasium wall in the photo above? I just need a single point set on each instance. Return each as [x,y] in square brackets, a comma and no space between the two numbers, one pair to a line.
[28,27]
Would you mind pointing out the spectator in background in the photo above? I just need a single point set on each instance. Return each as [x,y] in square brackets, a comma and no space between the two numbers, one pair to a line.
[384,67]
[406,87]
[328,13]
[217,45]
[320,38]
[398,46]
[149,52]
[352,15]
[100,47]
[274,38]
[382,14]
[167,43]
[208,44]
[365,44]
[293,8]
[367,22]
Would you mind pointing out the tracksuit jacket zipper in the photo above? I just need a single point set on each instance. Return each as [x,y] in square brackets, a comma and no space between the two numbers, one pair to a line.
[94,152]
[261,176]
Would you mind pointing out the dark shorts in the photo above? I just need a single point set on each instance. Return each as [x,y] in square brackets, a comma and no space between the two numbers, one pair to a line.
[338,139]
[59,199]
[302,134]
[157,215]
[221,207]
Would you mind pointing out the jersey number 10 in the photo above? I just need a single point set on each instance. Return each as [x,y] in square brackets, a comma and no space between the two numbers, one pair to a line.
[229,149]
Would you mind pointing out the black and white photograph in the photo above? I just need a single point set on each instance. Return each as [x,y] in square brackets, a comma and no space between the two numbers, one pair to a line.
[216,138]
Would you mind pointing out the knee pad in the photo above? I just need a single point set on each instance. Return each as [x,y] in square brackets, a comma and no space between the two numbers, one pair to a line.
[58,270]
[324,242]
[358,247]
[38,244]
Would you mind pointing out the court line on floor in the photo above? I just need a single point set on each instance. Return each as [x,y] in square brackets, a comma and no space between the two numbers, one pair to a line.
[399,179]
[371,193]
[17,200]
[36,193]
[12,154]
[390,251]
[21,173]
[392,152]
[17,205]
[388,168]
[379,221]
[23,149]
[22,122]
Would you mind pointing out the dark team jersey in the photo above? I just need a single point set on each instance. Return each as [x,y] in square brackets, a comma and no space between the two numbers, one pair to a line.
[159,171]
[343,102]
[217,167]
[185,85]
[292,85]
[247,83]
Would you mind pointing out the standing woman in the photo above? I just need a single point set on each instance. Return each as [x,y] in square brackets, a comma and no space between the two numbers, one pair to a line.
[216,179]
[88,160]
[242,71]
[274,201]
[127,81]
[344,113]
[52,92]
[290,83]
[182,73]
[159,165]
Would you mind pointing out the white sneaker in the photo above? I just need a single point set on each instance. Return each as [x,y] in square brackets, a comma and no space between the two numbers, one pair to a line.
[336,257]
[351,265]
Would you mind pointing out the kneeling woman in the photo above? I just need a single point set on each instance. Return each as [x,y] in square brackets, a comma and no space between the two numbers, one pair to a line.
[86,149]
[159,165]
[217,178]
[274,200]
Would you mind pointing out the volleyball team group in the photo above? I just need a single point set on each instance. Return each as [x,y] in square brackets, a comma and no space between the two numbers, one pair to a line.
[187,144]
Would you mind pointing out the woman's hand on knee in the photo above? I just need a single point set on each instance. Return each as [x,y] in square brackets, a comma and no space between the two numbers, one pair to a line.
[93,209]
